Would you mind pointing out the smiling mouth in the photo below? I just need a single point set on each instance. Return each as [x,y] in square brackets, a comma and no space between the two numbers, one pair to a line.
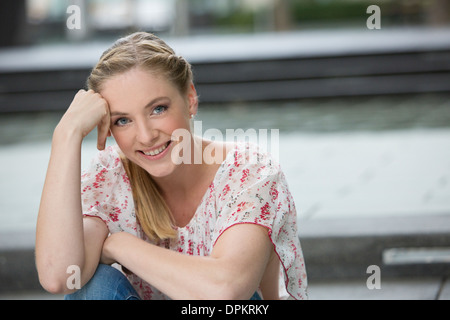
[155,152]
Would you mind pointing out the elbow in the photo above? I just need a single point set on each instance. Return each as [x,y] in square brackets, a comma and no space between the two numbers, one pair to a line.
[47,277]
[228,285]
[57,279]
[53,283]
[53,286]
[232,290]
[231,293]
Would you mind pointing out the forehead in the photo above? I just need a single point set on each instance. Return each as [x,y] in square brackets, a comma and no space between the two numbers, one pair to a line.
[135,88]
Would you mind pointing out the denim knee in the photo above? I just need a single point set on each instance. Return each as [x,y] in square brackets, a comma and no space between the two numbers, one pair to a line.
[107,283]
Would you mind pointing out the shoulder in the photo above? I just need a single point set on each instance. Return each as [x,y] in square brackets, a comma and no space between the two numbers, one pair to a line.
[253,160]
[248,170]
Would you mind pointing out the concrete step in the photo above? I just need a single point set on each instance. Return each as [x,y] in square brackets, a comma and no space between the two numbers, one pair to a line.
[334,250]
[278,66]
[400,246]
[426,288]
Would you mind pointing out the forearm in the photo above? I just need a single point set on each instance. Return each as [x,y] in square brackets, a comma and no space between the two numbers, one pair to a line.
[233,270]
[178,275]
[59,230]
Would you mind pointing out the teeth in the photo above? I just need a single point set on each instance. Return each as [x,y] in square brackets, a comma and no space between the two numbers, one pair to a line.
[157,151]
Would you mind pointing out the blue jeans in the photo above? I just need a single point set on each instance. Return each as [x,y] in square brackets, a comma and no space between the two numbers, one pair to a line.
[108,283]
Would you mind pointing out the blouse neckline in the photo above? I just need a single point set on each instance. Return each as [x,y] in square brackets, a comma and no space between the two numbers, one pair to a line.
[209,189]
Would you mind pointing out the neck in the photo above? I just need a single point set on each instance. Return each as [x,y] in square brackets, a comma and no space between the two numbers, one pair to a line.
[186,175]
[187,178]
[185,187]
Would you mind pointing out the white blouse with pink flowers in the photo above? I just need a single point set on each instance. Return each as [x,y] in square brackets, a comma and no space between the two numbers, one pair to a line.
[249,187]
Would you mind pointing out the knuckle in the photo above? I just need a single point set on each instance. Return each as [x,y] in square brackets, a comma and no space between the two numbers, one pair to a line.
[80,93]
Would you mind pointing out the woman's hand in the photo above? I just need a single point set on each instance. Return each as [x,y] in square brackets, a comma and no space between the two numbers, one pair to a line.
[107,253]
[87,110]
[107,257]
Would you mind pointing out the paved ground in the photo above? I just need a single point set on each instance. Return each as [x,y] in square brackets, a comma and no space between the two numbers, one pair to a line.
[391,289]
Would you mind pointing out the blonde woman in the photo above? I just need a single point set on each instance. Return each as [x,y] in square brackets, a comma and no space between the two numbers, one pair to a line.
[221,228]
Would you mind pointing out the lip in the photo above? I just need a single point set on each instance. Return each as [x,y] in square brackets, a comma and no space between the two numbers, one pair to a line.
[159,155]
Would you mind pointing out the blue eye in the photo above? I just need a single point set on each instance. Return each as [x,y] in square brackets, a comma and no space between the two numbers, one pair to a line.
[121,122]
[160,109]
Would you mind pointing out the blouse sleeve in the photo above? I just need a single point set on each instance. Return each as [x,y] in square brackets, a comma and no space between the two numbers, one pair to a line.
[257,192]
[105,190]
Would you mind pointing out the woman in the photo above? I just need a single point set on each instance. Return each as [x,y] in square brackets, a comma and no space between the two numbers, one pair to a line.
[214,229]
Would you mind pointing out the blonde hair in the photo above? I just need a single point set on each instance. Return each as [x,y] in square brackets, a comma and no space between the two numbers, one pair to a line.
[149,52]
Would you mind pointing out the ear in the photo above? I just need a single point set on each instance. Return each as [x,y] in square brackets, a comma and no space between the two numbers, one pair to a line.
[192,99]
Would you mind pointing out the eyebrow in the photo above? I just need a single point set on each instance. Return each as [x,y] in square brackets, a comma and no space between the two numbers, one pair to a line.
[152,102]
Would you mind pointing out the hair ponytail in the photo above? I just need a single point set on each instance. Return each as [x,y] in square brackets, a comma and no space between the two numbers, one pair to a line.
[152,211]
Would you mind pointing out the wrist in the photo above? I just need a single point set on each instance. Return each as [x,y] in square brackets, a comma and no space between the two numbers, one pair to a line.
[111,247]
[66,135]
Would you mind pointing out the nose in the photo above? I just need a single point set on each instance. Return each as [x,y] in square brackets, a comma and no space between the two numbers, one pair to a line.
[145,134]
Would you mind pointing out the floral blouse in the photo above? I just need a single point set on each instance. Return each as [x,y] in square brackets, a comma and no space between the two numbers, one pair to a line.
[249,187]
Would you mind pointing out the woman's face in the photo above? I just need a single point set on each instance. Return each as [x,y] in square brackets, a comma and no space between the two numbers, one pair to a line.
[145,110]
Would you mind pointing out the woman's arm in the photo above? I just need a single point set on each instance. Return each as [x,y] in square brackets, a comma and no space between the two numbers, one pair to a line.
[63,237]
[233,271]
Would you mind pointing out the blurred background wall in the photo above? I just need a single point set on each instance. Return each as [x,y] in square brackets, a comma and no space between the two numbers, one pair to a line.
[321,48]
[43,21]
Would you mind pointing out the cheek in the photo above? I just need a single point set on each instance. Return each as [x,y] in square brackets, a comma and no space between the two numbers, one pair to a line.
[182,123]
[123,140]
[169,125]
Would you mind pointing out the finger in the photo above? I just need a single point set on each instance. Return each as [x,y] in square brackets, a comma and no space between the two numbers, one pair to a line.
[103,132]
[102,136]
[81,91]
